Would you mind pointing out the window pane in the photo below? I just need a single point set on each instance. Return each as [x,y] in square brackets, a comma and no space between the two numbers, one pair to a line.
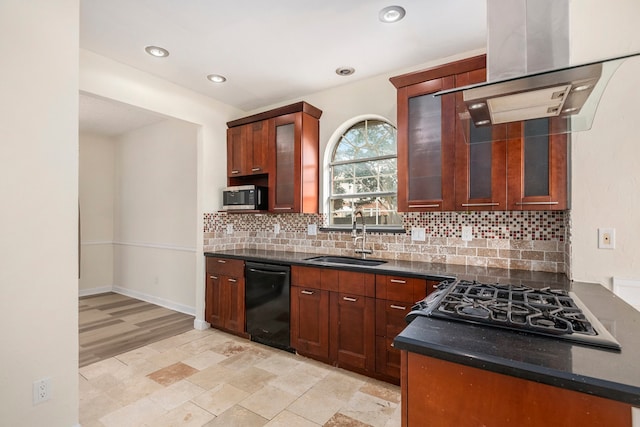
[376,210]
[369,139]
[536,157]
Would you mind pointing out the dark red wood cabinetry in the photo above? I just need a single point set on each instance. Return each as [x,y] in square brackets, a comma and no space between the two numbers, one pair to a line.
[224,297]
[446,164]
[278,149]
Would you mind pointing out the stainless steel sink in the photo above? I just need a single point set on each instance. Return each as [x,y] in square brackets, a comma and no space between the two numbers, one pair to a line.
[328,259]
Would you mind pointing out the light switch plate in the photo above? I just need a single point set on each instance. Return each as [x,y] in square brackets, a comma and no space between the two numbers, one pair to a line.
[467,233]
[229,228]
[418,234]
[312,229]
[276,228]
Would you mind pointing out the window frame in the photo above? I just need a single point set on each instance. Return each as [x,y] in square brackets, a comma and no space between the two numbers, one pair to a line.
[328,196]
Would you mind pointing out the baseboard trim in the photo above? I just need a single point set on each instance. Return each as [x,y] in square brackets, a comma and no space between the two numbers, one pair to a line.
[155,300]
[94,291]
[201,325]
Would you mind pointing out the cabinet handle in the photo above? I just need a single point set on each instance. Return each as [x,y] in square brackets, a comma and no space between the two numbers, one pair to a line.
[213,277]
[232,280]
[398,281]
[398,307]
[350,299]
[235,172]
[437,205]
[256,169]
[479,204]
[306,292]
[221,261]
[536,203]
[282,209]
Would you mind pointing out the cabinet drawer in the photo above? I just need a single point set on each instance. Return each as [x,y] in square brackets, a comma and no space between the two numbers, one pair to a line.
[226,266]
[312,277]
[352,282]
[390,317]
[400,288]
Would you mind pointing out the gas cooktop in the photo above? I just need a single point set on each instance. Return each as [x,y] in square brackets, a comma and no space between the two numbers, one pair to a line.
[550,312]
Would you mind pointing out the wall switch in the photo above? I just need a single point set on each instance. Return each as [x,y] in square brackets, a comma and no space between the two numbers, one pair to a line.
[606,238]
[41,390]
[467,233]
[418,234]
[229,228]
[312,229]
[276,228]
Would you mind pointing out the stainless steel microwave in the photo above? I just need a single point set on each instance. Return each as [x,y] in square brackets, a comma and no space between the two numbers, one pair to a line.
[244,197]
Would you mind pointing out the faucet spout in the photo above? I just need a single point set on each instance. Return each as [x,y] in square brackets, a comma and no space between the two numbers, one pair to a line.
[363,238]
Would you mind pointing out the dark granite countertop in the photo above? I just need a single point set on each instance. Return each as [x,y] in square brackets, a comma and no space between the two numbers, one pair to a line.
[606,373]
[432,271]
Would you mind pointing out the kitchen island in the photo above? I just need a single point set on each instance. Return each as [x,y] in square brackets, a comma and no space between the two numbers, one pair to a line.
[580,379]
[518,379]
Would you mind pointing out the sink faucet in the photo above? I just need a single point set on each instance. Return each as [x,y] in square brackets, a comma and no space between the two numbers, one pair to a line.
[362,238]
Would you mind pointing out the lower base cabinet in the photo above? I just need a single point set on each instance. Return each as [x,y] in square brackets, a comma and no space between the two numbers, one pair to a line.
[349,319]
[440,393]
[224,294]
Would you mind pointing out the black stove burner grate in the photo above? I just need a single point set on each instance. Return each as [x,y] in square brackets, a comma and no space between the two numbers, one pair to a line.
[551,312]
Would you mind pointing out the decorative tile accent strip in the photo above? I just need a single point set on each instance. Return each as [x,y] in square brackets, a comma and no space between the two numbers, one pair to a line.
[534,241]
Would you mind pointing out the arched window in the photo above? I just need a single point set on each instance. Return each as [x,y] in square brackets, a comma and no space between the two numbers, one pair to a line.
[363,175]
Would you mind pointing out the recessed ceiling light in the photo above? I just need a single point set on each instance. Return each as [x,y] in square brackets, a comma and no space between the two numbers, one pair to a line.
[157,51]
[391,14]
[345,71]
[217,78]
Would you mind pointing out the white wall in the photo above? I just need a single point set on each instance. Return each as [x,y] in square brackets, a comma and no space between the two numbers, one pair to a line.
[96,186]
[606,159]
[39,214]
[156,214]
[112,80]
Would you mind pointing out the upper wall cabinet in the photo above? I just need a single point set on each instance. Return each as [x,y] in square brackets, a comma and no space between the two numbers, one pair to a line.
[536,167]
[426,136]
[247,148]
[524,167]
[278,149]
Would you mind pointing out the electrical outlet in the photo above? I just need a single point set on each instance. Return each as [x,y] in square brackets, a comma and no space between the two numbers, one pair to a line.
[606,238]
[229,228]
[418,234]
[312,229]
[41,390]
[467,233]
[276,228]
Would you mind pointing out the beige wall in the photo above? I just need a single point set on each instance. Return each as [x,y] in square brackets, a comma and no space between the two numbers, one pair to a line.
[156,214]
[605,160]
[96,187]
[39,214]
[112,80]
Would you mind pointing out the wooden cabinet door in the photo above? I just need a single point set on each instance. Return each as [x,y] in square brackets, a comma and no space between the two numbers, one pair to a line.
[389,323]
[481,159]
[214,300]
[310,322]
[258,135]
[352,331]
[426,146]
[233,300]
[536,166]
[293,181]
[238,151]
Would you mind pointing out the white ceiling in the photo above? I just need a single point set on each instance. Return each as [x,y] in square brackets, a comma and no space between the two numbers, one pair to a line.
[277,50]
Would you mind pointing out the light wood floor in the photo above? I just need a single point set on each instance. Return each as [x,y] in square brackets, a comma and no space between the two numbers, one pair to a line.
[111,324]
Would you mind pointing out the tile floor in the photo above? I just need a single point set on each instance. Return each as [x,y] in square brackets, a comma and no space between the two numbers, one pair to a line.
[209,378]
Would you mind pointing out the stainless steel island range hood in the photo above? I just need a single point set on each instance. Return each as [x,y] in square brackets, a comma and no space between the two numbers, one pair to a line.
[528,72]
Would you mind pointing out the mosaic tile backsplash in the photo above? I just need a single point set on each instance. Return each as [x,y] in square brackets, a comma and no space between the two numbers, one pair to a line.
[527,240]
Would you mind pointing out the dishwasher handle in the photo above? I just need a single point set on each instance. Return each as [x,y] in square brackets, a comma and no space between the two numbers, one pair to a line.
[273,273]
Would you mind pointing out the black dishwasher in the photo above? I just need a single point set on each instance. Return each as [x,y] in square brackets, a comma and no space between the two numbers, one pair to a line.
[267,303]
